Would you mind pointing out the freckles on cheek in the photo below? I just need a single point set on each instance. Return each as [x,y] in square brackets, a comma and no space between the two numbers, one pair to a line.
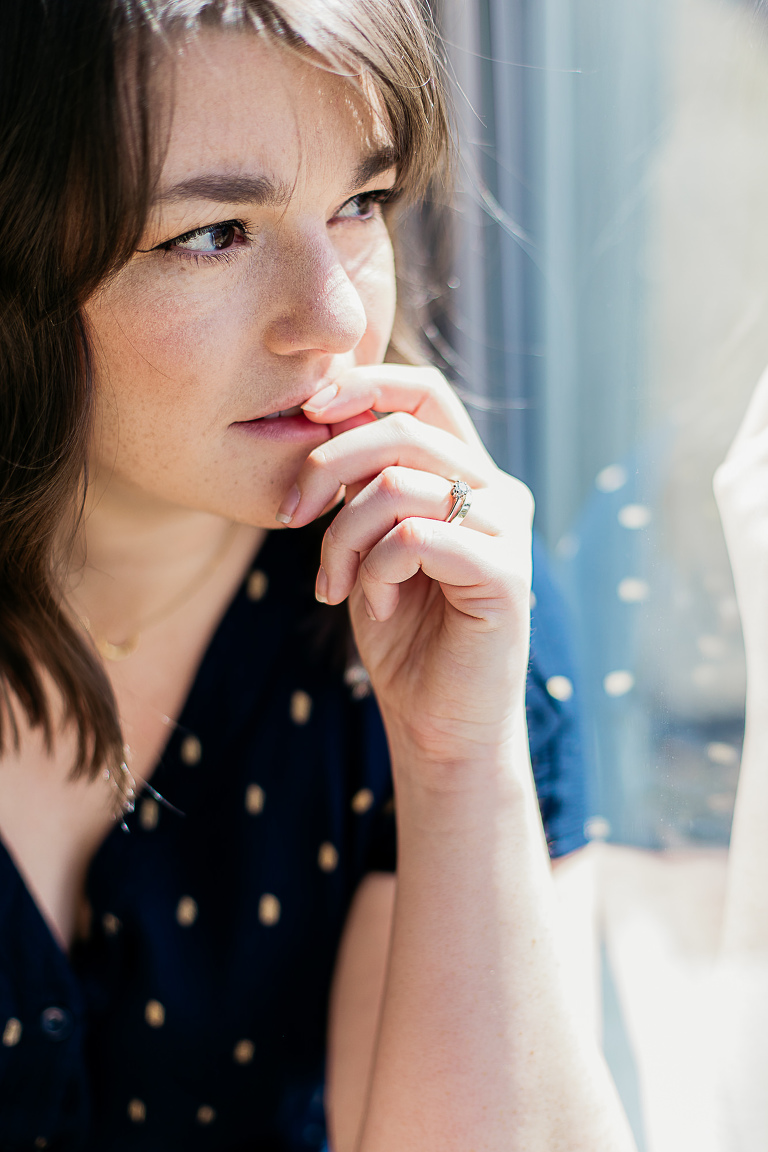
[174,343]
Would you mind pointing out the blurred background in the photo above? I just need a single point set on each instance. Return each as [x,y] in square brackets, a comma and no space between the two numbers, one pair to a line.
[608,319]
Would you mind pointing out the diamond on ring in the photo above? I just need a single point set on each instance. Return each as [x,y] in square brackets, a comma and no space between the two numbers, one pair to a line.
[461,494]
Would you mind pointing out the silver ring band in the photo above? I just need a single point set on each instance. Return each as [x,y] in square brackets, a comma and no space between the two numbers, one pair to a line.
[461,494]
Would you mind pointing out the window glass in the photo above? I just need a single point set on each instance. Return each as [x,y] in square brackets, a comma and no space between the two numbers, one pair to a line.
[608,325]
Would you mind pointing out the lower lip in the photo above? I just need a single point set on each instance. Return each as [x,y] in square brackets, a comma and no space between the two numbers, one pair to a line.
[286,429]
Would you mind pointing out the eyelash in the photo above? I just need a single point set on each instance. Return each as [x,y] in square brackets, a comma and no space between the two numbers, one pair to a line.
[168,247]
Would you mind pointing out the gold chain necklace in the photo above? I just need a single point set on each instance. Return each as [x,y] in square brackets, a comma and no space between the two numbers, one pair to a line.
[122,651]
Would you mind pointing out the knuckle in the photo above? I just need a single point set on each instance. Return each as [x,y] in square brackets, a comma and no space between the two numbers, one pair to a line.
[404,423]
[390,481]
[413,533]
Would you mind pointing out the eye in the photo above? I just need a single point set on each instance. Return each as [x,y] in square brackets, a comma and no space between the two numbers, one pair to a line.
[215,238]
[363,206]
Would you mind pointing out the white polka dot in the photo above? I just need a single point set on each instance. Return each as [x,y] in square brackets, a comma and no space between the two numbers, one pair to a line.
[568,546]
[705,675]
[635,516]
[269,909]
[597,828]
[154,1013]
[254,799]
[257,585]
[327,857]
[618,683]
[721,753]
[243,1052]
[12,1032]
[149,814]
[191,750]
[206,1114]
[728,609]
[137,1111]
[532,601]
[362,801]
[301,707]
[110,924]
[720,803]
[560,688]
[186,911]
[632,590]
[610,479]
[711,647]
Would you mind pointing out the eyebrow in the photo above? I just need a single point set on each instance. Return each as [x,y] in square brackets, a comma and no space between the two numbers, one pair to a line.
[225,188]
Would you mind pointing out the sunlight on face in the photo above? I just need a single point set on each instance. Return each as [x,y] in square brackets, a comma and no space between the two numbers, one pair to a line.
[265,269]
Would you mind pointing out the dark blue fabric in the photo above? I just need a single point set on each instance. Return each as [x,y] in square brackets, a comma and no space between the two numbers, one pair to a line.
[194,1015]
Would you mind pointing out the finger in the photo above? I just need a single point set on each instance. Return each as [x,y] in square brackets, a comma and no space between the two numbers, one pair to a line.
[362,453]
[482,576]
[422,391]
[357,421]
[393,496]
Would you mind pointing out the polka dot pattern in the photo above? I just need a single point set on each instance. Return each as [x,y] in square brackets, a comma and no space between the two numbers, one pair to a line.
[269,909]
[300,707]
[254,800]
[611,479]
[618,683]
[186,911]
[635,516]
[12,1032]
[560,688]
[632,590]
[137,1111]
[328,857]
[258,583]
[154,1014]
[362,801]
[191,750]
[149,814]
[243,1052]
[110,924]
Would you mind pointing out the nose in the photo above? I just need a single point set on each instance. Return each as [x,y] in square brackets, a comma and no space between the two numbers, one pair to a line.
[316,307]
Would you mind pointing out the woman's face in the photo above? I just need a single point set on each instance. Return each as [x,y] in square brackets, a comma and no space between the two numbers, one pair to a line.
[265,269]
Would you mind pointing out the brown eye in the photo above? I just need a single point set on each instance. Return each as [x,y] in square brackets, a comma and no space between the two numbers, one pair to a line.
[358,208]
[214,239]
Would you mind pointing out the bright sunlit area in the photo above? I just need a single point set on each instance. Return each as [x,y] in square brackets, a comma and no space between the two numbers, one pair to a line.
[609,321]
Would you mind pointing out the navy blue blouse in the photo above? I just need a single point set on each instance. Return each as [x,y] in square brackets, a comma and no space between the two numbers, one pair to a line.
[194,1014]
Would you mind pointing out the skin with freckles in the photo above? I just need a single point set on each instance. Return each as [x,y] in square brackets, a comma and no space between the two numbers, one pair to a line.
[193,340]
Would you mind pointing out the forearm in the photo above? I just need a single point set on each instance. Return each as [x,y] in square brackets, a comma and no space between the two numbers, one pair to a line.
[477,1046]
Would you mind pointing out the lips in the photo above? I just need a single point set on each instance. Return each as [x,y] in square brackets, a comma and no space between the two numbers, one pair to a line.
[295,411]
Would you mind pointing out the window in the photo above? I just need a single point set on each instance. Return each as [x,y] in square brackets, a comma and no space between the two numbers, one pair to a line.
[607,325]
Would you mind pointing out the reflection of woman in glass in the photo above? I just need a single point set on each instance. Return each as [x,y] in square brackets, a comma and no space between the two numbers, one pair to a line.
[197,296]
[741,486]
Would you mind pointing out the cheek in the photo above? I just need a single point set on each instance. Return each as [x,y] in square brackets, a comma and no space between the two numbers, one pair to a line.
[374,282]
[159,347]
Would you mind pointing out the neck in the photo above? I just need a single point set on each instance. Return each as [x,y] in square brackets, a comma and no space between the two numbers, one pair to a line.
[136,555]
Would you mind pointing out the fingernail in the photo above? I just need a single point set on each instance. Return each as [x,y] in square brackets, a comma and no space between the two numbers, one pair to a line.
[321,586]
[321,399]
[287,509]
[368,610]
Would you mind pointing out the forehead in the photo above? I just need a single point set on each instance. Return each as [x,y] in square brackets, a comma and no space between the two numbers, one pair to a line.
[236,101]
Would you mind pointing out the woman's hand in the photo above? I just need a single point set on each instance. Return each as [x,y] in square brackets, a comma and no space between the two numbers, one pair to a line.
[741,489]
[440,611]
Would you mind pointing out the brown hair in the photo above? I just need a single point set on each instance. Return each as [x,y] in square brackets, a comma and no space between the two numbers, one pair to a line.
[76,170]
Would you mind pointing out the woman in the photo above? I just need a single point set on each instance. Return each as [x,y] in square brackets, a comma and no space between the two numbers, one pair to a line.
[199,292]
